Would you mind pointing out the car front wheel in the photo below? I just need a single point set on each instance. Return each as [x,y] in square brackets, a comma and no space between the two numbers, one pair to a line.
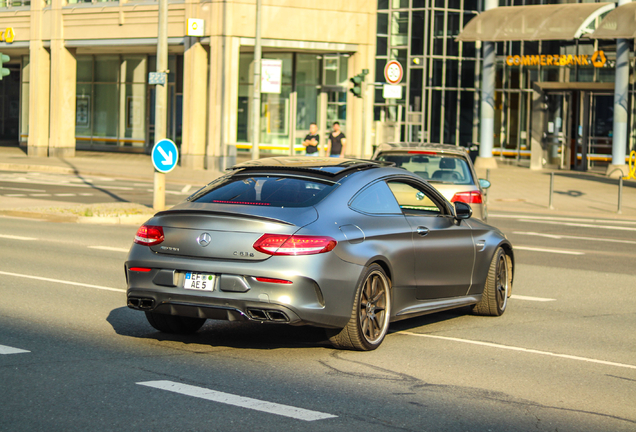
[370,316]
[498,285]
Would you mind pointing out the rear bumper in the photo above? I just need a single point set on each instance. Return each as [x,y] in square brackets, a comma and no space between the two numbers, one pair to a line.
[320,293]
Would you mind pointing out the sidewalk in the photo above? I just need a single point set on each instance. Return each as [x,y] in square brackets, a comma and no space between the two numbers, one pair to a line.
[514,189]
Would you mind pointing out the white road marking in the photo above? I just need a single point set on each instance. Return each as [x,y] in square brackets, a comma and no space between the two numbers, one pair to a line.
[62,282]
[10,350]
[108,248]
[186,189]
[15,195]
[40,195]
[528,298]
[580,225]
[526,350]
[65,194]
[562,219]
[23,189]
[559,237]
[12,237]
[548,250]
[65,184]
[85,194]
[240,401]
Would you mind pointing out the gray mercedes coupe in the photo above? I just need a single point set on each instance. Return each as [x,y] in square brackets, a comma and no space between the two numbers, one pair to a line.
[345,244]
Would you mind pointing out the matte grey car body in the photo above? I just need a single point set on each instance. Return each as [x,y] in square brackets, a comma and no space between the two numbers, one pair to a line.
[427,260]
[451,171]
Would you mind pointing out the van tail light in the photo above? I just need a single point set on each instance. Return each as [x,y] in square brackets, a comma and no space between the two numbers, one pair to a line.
[277,244]
[149,235]
[471,197]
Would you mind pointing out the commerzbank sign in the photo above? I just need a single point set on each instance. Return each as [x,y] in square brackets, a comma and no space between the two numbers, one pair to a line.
[597,59]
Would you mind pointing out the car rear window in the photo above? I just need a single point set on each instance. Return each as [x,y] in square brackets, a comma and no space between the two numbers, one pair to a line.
[434,168]
[275,191]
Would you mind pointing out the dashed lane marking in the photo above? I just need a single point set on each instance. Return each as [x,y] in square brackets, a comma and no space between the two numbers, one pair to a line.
[65,194]
[580,225]
[12,237]
[560,237]
[40,195]
[562,219]
[239,401]
[10,350]
[15,195]
[525,350]
[186,189]
[63,282]
[22,189]
[108,248]
[528,298]
[556,251]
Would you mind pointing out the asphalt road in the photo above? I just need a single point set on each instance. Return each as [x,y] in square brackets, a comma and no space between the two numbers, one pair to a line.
[561,358]
[85,190]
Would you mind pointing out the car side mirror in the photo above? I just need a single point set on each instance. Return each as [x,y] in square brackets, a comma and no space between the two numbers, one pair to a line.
[485,184]
[462,210]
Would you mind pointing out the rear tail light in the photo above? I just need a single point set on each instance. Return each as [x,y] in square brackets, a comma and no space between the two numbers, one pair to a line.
[471,197]
[276,244]
[273,280]
[149,235]
[140,269]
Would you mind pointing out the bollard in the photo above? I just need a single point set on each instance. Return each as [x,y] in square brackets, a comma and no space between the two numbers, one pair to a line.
[550,206]
[620,194]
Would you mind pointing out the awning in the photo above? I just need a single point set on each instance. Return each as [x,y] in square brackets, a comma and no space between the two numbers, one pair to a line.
[531,23]
[618,24]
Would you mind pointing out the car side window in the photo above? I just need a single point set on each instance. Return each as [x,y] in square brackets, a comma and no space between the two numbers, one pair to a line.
[375,199]
[413,201]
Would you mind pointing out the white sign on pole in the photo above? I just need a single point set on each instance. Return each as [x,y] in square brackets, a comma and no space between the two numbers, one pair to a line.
[195,27]
[271,75]
[391,91]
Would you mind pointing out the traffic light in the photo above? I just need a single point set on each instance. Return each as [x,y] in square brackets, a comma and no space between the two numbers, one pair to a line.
[357,83]
[3,70]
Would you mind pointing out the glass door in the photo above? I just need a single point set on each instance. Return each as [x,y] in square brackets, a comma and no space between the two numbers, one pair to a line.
[557,126]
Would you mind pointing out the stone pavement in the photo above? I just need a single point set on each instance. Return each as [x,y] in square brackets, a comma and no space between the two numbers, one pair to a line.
[514,188]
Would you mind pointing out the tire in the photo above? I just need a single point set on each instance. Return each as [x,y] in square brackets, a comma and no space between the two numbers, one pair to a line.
[174,323]
[370,315]
[494,299]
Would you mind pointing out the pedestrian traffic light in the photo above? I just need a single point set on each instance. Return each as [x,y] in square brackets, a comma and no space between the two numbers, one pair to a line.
[357,83]
[3,70]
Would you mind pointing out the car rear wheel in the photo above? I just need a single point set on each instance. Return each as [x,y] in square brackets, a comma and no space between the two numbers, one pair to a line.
[498,285]
[370,316]
[174,323]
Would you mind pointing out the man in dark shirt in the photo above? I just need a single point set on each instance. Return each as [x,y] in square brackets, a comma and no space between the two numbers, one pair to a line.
[311,141]
[337,142]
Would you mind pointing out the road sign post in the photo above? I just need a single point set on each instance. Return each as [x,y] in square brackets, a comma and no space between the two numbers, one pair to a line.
[165,156]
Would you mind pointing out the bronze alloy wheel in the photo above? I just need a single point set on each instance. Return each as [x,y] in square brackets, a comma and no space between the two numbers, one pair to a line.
[370,316]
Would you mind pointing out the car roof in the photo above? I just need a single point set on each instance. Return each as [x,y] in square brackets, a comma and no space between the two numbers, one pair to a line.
[330,167]
[407,146]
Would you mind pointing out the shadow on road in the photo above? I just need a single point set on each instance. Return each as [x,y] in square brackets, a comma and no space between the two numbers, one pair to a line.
[594,178]
[251,335]
[87,183]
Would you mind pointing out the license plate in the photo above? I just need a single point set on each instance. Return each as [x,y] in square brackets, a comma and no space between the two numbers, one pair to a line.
[199,281]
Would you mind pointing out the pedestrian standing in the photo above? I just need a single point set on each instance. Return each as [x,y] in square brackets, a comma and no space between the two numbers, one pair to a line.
[337,142]
[312,140]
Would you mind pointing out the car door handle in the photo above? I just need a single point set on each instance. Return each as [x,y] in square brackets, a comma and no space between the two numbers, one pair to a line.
[422,231]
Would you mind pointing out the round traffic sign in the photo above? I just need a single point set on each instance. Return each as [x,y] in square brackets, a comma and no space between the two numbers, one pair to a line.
[165,155]
[393,72]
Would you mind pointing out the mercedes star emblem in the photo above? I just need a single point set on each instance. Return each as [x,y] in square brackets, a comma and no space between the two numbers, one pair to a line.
[204,239]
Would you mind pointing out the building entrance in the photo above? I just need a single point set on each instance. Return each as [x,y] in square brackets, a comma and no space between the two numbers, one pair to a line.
[10,106]
[576,128]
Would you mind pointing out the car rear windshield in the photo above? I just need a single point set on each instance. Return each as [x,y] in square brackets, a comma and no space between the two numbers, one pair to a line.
[435,168]
[275,191]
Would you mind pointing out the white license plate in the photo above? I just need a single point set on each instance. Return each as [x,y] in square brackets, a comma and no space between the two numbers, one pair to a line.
[199,281]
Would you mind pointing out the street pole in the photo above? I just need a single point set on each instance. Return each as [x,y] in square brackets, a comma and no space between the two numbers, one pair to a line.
[161,101]
[256,97]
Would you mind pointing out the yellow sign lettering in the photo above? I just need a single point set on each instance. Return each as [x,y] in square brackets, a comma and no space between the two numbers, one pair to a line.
[8,35]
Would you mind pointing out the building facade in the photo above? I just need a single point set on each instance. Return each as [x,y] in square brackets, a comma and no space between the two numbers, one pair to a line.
[79,75]
[553,87]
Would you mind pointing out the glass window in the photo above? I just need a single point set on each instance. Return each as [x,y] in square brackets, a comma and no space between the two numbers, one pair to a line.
[383,23]
[376,199]
[135,69]
[400,4]
[307,68]
[84,68]
[450,119]
[381,46]
[417,33]
[438,66]
[383,4]
[331,71]
[287,65]
[435,168]
[106,69]
[399,28]
[468,73]
[105,110]
[451,73]
[275,191]
[412,200]
[415,90]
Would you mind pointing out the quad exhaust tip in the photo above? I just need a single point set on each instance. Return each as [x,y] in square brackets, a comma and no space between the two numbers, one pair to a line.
[267,315]
[141,303]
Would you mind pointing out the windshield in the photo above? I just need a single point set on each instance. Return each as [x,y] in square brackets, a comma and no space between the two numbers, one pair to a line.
[275,191]
[434,168]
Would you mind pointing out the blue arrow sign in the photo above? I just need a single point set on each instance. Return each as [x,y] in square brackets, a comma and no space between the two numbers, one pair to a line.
[165,156]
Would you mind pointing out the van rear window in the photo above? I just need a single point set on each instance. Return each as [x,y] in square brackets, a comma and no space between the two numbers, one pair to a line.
[275,191]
